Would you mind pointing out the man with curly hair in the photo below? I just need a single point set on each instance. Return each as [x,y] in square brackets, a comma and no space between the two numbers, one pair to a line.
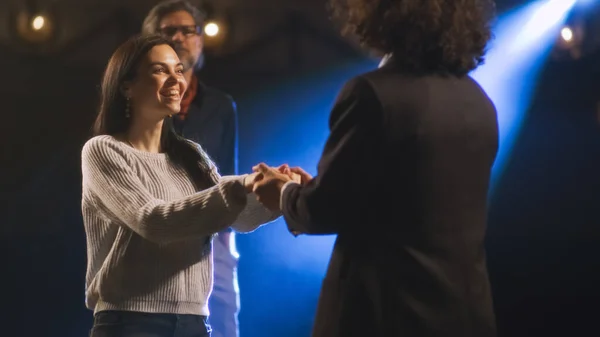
[404,176]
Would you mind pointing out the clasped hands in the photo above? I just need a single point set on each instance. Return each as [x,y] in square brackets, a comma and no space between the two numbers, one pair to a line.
[267,182]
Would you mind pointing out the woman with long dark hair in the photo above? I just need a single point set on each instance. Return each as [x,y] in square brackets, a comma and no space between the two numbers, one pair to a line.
[152,202]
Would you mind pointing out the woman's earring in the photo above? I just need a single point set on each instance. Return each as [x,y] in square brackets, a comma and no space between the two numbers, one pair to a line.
[127,105]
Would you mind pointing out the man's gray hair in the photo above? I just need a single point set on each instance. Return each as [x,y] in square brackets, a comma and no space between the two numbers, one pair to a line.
[152,20]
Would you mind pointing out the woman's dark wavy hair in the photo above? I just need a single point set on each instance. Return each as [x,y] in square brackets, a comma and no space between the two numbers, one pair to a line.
[123,66]
[425,36]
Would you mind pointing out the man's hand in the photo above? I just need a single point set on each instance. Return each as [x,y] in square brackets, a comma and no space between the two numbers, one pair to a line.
[252,178]
[285,169]
[268,188]
[303,175]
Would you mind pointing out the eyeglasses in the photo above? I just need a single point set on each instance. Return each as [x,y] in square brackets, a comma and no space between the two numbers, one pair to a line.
[190,30]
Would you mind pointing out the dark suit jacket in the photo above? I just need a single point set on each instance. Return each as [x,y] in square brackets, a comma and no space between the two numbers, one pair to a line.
[403,181]
[212,122]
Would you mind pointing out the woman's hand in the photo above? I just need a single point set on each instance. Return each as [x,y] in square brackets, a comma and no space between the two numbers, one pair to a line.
[297,175]
[250,180]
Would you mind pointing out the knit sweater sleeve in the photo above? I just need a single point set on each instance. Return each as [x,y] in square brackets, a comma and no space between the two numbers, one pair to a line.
[108,175]
[254,213]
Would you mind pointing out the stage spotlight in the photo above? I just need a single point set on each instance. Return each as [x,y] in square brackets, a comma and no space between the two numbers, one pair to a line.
[567,34]
[37,28]
[215,33]
[211,29]
[569,42]
[38,22]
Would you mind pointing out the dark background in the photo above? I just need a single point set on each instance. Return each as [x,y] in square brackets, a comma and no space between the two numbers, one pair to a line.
[543,242]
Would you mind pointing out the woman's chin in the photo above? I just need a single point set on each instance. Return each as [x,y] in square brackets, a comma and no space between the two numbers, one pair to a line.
[173,109]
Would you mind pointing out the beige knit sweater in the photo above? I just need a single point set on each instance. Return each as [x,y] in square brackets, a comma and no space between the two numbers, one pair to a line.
[149,232]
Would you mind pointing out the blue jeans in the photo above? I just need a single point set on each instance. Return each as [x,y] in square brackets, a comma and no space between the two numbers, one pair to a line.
[140,324]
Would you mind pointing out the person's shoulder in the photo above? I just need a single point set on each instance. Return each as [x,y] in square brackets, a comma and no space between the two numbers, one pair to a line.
[200,150]
[378,78]
[195,145]
[97,143]
[220,102]
[358,88]
[477,90]
[386,83]
[216,94]
[101,147]
[356,101]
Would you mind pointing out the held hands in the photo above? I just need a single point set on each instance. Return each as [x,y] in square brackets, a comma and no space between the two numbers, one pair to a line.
[268,182]
[257,176]
[250,180]
[303,176]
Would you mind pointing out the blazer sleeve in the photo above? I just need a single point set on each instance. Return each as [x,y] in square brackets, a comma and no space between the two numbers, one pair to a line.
[331,200]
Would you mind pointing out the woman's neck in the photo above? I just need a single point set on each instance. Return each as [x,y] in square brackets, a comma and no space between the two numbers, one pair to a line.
[145,136]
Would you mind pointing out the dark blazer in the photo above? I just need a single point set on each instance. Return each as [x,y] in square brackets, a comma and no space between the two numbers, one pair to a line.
[212,122]
[403,182]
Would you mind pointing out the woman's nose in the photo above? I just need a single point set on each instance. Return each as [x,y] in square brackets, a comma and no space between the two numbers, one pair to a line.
[173,77]
[180,81]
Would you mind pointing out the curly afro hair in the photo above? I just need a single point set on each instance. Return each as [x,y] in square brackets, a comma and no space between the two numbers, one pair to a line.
[425,36]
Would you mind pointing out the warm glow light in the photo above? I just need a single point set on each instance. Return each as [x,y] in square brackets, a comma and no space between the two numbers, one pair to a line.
[567,34]
[38,22]
[211,29]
